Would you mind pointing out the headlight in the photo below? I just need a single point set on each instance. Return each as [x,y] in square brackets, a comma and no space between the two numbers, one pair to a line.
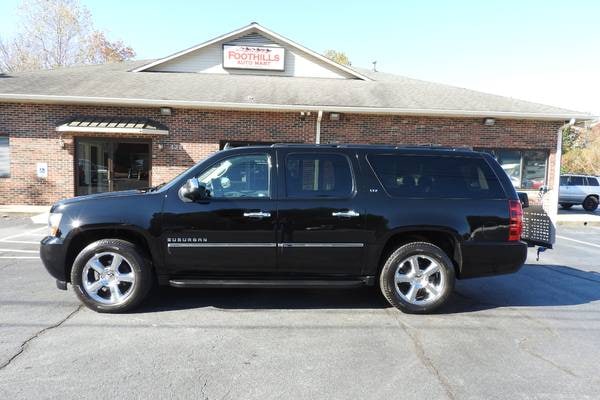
[53,223]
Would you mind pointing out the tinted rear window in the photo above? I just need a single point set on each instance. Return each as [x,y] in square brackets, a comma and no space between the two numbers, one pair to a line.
[309,175]
[436,176]
[576,181]
[592,182]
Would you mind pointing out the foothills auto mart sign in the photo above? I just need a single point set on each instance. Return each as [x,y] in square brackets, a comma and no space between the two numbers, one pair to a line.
[253,57]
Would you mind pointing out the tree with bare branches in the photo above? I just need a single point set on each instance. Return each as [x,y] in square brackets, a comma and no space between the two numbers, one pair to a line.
[338,56]
[585,157]
[57,33]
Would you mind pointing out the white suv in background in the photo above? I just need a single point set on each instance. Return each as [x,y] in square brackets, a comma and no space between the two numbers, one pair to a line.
[579,189]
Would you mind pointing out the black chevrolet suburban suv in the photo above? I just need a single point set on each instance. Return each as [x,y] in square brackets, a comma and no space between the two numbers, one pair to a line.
[409,219]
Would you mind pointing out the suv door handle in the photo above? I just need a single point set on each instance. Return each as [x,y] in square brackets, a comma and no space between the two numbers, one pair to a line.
[345,214]
[257,214]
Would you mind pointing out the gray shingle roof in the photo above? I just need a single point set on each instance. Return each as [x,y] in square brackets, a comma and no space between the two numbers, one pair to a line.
[115,84]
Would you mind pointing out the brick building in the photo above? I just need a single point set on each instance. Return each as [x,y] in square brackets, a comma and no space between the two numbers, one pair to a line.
[88,129]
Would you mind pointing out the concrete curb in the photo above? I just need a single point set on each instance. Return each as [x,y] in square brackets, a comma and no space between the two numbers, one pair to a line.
[23,209]
[577,223]
[580,219]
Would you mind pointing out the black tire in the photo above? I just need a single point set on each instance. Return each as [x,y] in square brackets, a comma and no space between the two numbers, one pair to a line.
[590,203]
[140,266]
[566,206]
[387,284]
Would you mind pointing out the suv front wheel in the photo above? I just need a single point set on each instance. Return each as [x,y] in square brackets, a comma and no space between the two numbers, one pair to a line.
[417,278]
[111,275]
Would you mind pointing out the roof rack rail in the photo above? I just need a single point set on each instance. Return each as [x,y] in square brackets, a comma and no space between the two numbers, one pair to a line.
[437,146]
[303,145]
[387,146]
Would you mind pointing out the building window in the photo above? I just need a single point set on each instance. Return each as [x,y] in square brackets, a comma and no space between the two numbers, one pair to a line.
[525,168]
[4,158]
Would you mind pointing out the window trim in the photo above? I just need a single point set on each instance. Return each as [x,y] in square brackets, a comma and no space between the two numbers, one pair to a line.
[229,199]
[352,193]
[8,176]
[437,198]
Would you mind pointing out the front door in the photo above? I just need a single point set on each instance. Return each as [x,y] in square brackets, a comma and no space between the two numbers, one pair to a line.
[231,231]
[322,226]
[107,165]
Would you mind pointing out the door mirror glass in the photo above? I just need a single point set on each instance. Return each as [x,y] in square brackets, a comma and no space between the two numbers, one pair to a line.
[524,199]
[192,191]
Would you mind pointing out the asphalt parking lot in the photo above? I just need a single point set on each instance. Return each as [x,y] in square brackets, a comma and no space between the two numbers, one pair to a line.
[530,335]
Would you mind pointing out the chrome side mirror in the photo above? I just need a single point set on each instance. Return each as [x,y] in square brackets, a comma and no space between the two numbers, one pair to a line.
[193,190]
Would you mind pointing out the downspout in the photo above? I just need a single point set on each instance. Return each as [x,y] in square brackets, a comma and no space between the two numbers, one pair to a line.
[318,132]
[552,208]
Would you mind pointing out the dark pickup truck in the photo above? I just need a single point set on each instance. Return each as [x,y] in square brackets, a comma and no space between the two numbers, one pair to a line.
[411,220]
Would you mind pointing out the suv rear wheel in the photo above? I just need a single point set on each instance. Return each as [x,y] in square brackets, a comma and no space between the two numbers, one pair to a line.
[590,203]
[111,275]
[417,278]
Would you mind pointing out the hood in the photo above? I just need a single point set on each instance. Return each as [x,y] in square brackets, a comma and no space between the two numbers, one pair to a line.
[100,196]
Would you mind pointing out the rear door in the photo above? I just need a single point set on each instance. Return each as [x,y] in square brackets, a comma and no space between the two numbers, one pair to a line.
[593,185]
[321,225]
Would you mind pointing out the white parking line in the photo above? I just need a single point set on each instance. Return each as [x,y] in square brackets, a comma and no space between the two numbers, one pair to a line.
[18,258]
[33,232]
[19,241]
[18,251]
[579,241]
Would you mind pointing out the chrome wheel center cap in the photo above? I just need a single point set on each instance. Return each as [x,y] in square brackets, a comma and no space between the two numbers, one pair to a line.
[107,276]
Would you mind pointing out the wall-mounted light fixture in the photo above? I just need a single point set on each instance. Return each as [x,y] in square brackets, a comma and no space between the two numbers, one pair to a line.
[161,147]
[304,114]
[165,111]
[334,117]
[489,122]
[61,143]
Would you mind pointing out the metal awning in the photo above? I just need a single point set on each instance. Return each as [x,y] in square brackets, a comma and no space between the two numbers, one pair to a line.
[113,125]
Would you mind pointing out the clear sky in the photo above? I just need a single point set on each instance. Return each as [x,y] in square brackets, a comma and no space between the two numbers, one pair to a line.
[544,51]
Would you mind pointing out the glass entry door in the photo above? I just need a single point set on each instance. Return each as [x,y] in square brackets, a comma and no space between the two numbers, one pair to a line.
[105,165]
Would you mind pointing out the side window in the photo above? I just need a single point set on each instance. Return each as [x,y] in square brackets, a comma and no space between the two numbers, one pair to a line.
[4,158]
[593,182]
[564,180]
[435,176]
[576,181]
[310,175]
[238,176]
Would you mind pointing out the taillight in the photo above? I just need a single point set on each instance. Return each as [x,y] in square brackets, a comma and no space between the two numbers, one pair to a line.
[515,226]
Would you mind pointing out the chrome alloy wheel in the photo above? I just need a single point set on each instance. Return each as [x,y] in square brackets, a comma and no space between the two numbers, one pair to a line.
[108,278]
[419,279]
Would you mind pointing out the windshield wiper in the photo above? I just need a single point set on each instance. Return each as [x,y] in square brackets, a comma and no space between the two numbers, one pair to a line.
[154,188]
